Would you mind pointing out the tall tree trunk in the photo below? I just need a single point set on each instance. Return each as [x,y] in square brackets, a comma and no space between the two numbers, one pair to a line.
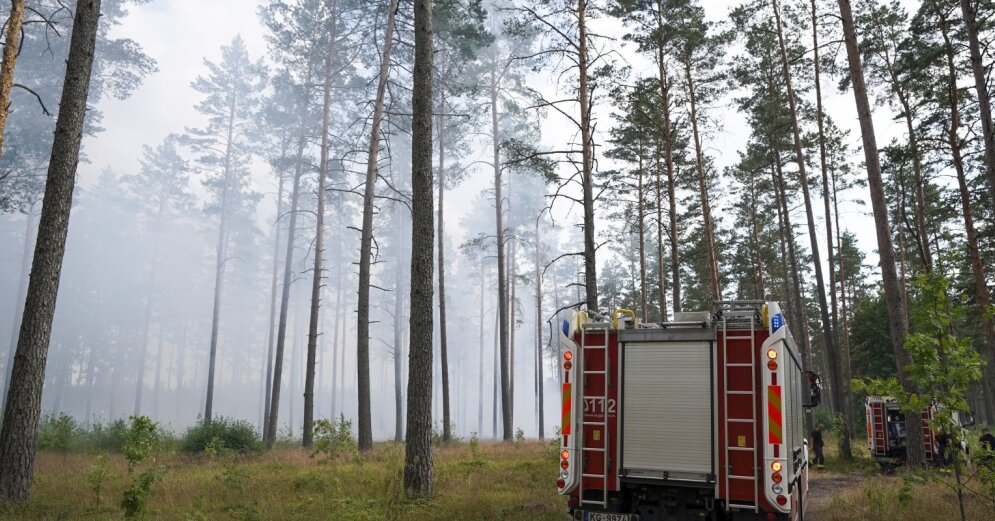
[418,471]
[22,288]
[842,354]
[587,153]
[503,326]
[447,433]
[480,362]
[841,392]
[897,322]
[699,163]
[922,236]
[319,238]
[668,143]
[977,268]
[222,253]
[281,333]
[23,404]
[149,291]
[512,320]
[11,47]
[641,227]
[337,346]
[365,426]
[272,301]
[661,276]
[980,86]
[539,358]
[399,326]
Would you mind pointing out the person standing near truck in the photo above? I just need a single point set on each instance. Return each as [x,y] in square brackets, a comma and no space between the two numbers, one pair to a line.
[817,445]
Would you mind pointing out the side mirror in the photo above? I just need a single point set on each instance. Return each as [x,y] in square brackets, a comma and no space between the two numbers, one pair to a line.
[814,390]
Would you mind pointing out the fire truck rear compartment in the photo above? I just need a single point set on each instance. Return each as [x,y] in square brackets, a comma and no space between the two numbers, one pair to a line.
[669,381]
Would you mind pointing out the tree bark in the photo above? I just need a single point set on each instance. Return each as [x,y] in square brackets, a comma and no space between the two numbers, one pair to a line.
[897,322]
[23,404]
[503,326]
[11,46]
[668,142]
[319,238]
[835,362]
[281,334]
[418,471]
[447,433]
[699,163]
[539,357]
[981,89]
[641,227]
[365,426]
[222,253]
[981,290]
[587,153]
[272,303]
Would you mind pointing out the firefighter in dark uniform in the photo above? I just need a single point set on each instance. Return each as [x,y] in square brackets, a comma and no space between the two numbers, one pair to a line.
[817,445]
[987,456]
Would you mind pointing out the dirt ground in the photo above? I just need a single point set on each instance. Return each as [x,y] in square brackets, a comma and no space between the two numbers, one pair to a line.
[823,487]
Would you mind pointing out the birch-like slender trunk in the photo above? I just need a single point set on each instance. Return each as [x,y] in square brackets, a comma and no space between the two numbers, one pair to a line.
[22,288]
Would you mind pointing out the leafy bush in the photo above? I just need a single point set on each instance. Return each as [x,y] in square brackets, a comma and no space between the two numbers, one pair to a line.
[333,437]
[136,495]
[96,476]
[58,433]
[141,440]
[110,437]
[221,435]
[474,445]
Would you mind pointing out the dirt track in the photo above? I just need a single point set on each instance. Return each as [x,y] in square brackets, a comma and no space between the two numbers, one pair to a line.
[822,489]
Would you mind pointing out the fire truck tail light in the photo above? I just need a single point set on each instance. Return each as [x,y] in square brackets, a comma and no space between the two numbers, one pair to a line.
[568,365]
[776,466]
[560,483]
[772,365]
[567,355]
[781,500]
[776,477]
[772,354]
[564,464]
[564,454]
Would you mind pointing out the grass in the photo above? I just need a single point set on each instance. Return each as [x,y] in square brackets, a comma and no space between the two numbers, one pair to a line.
[504,481]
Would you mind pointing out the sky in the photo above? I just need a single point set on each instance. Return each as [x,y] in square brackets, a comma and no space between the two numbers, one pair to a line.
[180,34]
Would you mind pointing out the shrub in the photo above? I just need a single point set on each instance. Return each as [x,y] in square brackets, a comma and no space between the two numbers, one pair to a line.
[141,441]
[58,433]
[136,495]
[110,437]
[96,476]
[333,437]
[222,435]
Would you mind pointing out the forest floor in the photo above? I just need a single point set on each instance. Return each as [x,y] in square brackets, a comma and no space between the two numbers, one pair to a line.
[514,481]
[490,481]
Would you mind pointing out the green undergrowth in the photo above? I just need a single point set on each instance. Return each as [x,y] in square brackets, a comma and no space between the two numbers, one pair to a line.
[513,481]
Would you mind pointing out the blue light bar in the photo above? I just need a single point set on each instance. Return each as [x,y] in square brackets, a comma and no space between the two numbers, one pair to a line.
[777,322]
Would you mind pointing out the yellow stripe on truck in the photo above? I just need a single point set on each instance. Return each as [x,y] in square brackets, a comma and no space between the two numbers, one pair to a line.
[775,420]
[566,417]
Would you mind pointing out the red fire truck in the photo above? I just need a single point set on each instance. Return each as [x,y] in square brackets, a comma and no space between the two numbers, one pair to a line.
[700,418]
[886,430]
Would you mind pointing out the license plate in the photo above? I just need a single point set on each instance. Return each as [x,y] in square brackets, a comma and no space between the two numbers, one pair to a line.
[602,516]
